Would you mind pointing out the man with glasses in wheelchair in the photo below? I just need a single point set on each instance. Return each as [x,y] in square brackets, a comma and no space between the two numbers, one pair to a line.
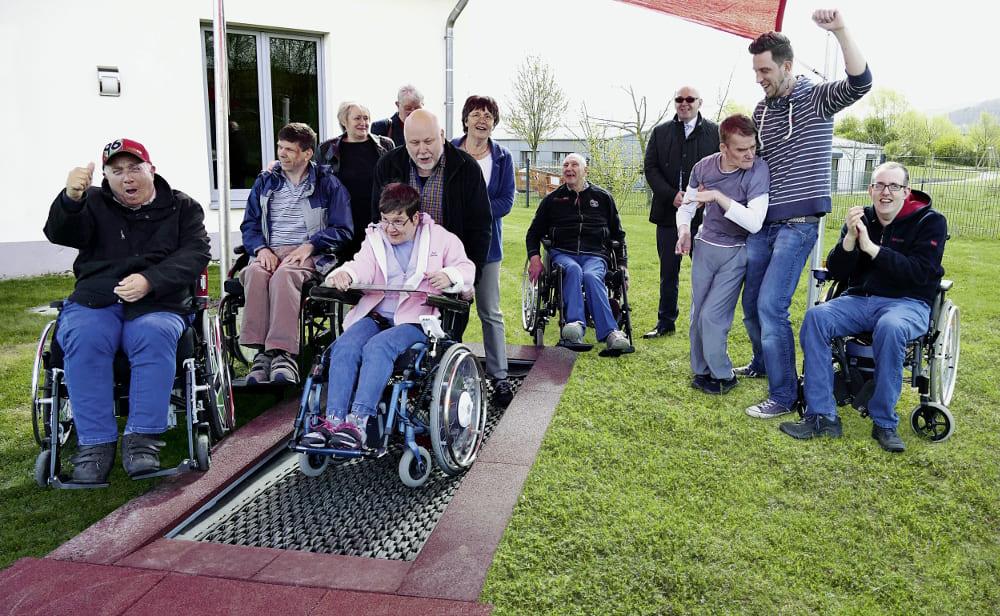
[581,220]
[141,245]
[406,249]
[889,254]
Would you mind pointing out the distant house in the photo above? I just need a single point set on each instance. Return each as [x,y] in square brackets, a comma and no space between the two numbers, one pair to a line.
[852,164]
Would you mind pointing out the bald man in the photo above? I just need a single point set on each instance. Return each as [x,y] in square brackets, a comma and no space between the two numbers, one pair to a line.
[674,147]
[450,182]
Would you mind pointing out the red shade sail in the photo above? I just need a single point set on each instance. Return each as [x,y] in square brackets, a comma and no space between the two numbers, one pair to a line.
[747,18]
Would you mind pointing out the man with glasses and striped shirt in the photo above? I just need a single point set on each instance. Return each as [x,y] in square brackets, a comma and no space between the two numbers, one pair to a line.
[795,129]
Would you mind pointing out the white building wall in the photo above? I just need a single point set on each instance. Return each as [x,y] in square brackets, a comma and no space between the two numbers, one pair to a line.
[52,117]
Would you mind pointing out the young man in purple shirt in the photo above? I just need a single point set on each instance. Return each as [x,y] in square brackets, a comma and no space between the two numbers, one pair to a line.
[732,185]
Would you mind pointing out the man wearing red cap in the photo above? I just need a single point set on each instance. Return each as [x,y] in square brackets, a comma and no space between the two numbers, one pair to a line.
[141,247]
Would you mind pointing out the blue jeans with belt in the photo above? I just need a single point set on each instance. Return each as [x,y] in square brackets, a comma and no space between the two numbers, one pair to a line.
[90,338]
[775,257]
[893,323]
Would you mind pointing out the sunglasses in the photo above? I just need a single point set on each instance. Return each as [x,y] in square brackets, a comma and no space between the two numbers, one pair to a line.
[686,99]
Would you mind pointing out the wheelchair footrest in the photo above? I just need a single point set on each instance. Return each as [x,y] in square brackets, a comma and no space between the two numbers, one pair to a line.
[183,467]
[576,347]
[57,483]
[616,353]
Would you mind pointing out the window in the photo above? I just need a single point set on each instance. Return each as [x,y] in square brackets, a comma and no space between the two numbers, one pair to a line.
[273,80]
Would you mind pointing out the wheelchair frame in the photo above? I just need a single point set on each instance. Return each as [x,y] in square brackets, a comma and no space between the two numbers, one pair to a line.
[440,361]
[203,380]
[542,299]
[932,359]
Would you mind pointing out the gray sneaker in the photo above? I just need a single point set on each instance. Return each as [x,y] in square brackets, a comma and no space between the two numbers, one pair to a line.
[260,370]
[572,332]
[767,409]
[617,341]
[284,369]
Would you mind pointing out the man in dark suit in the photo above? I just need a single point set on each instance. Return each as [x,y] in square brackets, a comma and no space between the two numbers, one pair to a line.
[674,147]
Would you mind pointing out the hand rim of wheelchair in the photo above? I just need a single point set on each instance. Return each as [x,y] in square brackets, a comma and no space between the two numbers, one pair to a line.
[932,421]
[944,355]
[219,395]
[231,321]
[457,414]
[531,293]
[39,421]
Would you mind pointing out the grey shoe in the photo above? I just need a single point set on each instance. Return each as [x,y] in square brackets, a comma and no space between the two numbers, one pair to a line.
[767,409]
[617,341]
[92,463]
[572,332]
[284,369]
[141,453]
[260,370]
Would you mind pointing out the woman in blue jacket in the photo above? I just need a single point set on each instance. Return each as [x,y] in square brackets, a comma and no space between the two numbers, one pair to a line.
[480,115]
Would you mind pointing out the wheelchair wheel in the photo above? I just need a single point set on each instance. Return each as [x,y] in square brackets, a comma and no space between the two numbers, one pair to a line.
[944,355]
[202,451]
[413,471]
[231,321]
[458,410]
[932,422]
[313,465]
[531,298]
[219,395]
[43,467]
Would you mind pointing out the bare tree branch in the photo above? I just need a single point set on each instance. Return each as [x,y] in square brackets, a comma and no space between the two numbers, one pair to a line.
[538,103]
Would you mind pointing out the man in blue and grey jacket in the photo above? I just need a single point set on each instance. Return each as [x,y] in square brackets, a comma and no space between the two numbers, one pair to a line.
[298,216]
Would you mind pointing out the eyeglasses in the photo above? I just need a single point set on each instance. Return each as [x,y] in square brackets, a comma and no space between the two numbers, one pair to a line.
[398,225]
[893,188]
[686,99]
[480,115]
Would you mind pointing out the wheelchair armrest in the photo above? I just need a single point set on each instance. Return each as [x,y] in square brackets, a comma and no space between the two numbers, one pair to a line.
[821,274]
[442,302]
[58,304]
[239,249]
[233,286]
[615,244]
[945,285]
[330,294]
[547,242]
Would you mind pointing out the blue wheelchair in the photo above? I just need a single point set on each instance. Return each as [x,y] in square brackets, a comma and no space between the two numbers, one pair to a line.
[437,390]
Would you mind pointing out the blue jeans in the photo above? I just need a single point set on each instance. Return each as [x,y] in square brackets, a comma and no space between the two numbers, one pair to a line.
[775,257]
[90,338]
[585,272]
[893,323]
[363,355]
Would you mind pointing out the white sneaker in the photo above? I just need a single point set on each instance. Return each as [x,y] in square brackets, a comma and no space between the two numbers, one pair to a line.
[617,341]
[572,332]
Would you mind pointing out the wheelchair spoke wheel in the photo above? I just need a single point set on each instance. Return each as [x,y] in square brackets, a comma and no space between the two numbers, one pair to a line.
[932,422]
[221,412]
[944,355]
[231,321]
[458,410]
[531,297]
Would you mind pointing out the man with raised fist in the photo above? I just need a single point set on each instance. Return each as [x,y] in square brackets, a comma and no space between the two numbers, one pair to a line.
[141,248]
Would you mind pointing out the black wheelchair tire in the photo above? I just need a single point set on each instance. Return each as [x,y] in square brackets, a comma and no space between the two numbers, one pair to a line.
[42,467]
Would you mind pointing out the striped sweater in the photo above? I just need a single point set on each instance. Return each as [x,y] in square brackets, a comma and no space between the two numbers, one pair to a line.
[796,140]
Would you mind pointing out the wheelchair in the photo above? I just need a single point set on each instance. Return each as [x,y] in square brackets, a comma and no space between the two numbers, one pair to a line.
[314,317]
[542,299]
[931,358]
[437,389]
[202,391]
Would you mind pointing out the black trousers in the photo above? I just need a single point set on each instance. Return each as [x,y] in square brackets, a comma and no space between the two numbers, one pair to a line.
[670,268]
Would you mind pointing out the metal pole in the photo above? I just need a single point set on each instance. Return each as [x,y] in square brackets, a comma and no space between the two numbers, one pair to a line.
[449,67]
[527,182]
[222,137]
[816,260]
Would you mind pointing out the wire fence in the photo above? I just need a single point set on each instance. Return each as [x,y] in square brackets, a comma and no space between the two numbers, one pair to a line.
[969,197]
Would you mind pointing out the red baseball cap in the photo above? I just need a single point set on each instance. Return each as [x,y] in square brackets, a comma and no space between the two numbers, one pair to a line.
[125,146]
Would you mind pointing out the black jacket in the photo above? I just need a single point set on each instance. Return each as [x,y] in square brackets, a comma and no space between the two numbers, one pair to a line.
[581,223]
[391,128]
[164,241]
[328,152]
[669,159]
[466,204]
[908,263]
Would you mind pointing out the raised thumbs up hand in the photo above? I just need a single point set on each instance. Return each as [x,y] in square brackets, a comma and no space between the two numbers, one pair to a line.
[78,181]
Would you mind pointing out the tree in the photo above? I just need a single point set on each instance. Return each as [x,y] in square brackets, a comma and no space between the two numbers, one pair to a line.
[608,166]
[538,103]
[640,125]
[985,138]
[886,106]
[850,127]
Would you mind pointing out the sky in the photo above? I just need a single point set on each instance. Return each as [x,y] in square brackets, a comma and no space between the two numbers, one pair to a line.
[597,46]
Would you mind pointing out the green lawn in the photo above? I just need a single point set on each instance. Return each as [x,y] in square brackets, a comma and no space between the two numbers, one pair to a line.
[650,498]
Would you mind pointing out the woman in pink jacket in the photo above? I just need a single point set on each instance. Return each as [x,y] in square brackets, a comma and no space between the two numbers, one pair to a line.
[405,250]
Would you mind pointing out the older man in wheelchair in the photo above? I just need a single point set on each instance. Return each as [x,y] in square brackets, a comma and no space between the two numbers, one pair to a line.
[406,259]
[583,233]
[141,247]
[889,256]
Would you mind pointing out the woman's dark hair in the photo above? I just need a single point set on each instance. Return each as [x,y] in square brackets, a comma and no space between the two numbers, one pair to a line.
[775,42]
[398,197]
[737,124]
[480,102]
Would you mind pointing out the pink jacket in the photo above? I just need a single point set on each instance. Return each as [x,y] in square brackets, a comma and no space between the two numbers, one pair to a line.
[436,248]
